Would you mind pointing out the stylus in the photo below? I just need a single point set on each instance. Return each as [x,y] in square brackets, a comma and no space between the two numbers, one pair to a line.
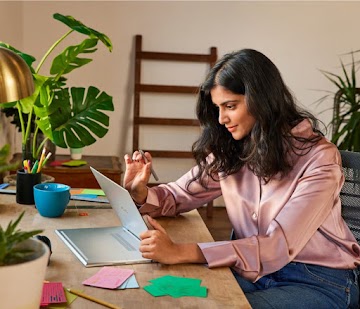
[146,161]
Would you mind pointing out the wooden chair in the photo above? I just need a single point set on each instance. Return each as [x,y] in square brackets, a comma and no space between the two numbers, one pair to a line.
[140,88]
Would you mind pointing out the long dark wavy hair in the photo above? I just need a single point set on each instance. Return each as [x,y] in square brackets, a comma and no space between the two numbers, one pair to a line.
[250,73]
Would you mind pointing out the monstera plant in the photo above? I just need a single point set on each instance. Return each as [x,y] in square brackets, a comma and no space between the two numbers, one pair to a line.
[69,117]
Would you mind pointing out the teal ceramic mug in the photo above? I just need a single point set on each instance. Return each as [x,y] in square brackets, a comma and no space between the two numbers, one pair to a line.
[51,199]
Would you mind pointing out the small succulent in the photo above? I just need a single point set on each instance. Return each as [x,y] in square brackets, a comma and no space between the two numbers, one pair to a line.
[10,252]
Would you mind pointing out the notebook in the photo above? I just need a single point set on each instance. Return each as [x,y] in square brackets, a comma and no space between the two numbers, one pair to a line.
[109,245]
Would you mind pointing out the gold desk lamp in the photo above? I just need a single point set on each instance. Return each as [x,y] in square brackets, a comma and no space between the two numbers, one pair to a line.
[16,80]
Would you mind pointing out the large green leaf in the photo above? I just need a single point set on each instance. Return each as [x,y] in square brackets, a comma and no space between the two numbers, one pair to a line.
[80,27]
[68,60]
[76,118]
[27,104]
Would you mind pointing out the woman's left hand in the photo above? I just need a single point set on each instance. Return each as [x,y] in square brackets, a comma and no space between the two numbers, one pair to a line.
[157,245]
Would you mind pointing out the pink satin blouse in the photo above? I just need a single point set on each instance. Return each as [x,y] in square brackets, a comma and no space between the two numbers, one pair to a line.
[297,218]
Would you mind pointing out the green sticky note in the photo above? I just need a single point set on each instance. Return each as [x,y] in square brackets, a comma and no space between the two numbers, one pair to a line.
[200,291]
[93,191]
[179,286]
[175,281]
[154,290]
[74,163]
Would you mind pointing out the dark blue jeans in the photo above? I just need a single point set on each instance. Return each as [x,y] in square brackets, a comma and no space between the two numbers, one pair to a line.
[299,285]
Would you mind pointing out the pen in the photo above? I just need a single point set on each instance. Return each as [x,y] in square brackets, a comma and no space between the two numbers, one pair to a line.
[99,301]
[146,161]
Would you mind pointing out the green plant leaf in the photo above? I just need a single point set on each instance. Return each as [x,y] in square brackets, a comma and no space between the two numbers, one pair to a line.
[346,118]
[68,60]
[81,28]
[50,119]
[27,104]
[10,238]
[4,157]
[76,118]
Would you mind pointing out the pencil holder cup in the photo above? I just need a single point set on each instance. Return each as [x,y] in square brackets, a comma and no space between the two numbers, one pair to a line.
[51,199]
[25,183]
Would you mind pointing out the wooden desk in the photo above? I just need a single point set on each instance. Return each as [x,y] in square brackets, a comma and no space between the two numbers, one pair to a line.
[81,176]
[223,290]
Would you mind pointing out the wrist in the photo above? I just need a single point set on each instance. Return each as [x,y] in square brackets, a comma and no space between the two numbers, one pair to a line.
[189,253]
[139,197]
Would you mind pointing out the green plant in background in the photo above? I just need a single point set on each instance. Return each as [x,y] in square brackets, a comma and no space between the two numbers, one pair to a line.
[346,111]
[4,159]
[10,252]
[70,118]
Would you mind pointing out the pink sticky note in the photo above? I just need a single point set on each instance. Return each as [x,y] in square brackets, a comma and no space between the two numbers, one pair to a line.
[58,162]
[109,277]
[52,293]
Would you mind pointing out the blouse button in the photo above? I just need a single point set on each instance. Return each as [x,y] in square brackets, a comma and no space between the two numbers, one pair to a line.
[254,215]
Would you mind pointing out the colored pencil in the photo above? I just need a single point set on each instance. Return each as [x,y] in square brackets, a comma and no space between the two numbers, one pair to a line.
[96,300]
[46,158]
[41,160]
[35,167]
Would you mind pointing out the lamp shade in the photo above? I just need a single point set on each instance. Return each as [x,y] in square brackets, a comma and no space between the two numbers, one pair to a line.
[16,80]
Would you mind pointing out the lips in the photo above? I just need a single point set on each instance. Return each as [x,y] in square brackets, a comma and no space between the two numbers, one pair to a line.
[231,129]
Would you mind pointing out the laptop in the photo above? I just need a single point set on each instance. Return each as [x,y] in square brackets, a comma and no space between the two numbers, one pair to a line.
[109,245]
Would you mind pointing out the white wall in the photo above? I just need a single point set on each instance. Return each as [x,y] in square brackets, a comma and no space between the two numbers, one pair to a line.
[300,37]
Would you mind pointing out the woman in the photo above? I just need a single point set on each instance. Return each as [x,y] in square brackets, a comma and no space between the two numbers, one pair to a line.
[280,179]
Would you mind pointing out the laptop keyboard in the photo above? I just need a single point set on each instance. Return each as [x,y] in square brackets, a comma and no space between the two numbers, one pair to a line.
[123,241]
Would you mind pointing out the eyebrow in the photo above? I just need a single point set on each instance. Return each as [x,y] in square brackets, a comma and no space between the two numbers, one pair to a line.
[227,102]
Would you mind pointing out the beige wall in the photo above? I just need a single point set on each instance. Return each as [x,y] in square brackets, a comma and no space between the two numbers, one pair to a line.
[11,26]
[300,37]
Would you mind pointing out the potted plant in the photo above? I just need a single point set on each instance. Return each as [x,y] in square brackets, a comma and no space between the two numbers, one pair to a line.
[70,118]
[23,262]
[346,110]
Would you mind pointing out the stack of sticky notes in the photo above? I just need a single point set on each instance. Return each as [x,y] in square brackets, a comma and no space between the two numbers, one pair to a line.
[53,293]
[176,287]
[87,193]
[112,278]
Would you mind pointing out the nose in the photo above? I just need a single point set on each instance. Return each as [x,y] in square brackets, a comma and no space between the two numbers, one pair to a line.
[223,118]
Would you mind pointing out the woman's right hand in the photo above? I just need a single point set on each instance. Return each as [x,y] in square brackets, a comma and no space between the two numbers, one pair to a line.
[137,176]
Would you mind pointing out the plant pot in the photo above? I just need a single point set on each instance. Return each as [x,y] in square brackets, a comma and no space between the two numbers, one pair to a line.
[76,153]
[21,284]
